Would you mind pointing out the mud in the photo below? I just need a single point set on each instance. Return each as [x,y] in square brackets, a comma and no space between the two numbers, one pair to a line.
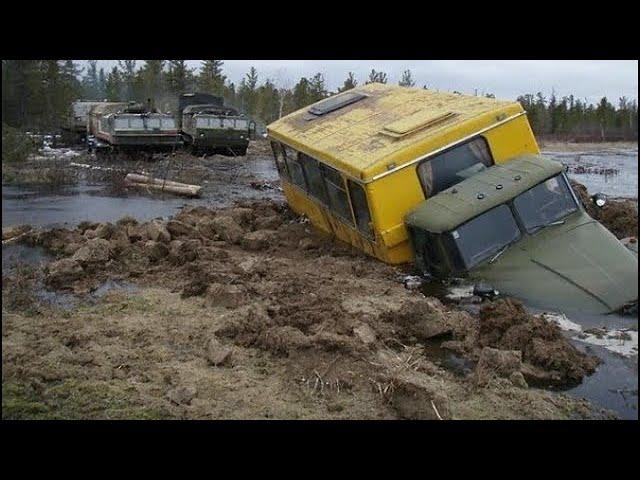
[620,216]
[247,312]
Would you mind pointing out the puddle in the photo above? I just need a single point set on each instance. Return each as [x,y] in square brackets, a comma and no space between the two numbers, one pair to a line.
[23,255]
[613,172]
[68,206]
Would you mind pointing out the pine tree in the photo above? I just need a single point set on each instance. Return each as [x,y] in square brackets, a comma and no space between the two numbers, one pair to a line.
[179,77]
[129,84]
[102,84]
[407,79]
[268,102]
[114,86]
[301,94]
[21,81]
[151,80]
[247,92]
[349,83]
[90,82]
[210,79]
[377,77]
[317,89]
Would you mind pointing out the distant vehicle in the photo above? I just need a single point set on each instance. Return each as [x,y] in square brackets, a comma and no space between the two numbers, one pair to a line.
[75,130]
[129,127]
[208,126]
[213,129]
[356,164]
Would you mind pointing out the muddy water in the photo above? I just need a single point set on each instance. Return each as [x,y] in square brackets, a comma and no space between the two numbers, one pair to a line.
[614,385]
[613,172]
[68,206]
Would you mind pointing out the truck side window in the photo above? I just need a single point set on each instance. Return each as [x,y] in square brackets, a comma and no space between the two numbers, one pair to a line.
[313,175]
[338,200]
[360,208]
[278,153]
[452,166]
[294,167]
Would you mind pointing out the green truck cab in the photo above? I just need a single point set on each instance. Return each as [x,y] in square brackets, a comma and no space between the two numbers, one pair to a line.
[520,228]
[214,128]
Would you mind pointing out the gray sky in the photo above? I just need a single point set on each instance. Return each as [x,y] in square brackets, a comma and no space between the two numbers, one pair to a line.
[590,79]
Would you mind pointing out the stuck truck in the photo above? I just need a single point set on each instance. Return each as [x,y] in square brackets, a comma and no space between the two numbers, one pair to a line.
[208,126]
[118,127]
[455,183]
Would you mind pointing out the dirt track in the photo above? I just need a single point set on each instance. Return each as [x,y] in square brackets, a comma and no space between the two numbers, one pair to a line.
[246,312]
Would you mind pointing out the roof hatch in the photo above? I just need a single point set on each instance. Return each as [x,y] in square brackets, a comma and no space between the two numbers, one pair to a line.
[416,121]
[336,102]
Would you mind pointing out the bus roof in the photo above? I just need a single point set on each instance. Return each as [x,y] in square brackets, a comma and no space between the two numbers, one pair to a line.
[482,192]
[374,128]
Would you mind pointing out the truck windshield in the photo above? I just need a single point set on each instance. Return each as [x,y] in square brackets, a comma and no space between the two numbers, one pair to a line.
[484,236]
[547,202]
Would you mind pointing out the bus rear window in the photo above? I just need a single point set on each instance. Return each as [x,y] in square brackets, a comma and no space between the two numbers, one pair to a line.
[294,167]
[278,154]
[452,166]
[360,208]
[338,199]
[313,175]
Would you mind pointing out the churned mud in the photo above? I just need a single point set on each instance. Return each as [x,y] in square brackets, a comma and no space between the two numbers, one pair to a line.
[247,312]
[620,216]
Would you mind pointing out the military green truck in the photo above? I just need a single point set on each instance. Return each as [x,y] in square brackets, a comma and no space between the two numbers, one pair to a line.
[519,228]
[215,129]
[130,128]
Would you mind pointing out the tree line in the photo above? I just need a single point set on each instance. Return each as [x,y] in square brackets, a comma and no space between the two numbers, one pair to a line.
[38,94]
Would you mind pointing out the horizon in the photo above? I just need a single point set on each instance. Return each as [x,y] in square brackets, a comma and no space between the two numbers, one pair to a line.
[587,80]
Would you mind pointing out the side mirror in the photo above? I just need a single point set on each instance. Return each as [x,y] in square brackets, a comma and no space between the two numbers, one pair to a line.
[600,199]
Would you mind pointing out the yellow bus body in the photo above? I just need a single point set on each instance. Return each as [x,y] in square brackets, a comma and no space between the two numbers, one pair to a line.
[379,142]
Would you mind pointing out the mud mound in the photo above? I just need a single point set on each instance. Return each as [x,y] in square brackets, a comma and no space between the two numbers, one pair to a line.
[506,325]
[258,281]
[618,215]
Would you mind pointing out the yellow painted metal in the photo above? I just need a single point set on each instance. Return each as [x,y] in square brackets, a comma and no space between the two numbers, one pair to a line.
[389,129]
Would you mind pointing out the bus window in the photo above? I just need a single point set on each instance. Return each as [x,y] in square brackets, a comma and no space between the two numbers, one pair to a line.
[360,208]
[278,153]
[295,170]
[448,168]
[313,175]
[338,200]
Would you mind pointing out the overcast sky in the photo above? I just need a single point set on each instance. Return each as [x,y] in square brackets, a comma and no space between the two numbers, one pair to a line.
[590,79]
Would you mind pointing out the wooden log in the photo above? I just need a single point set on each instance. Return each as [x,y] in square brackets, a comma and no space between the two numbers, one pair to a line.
[160,185]
[137,178]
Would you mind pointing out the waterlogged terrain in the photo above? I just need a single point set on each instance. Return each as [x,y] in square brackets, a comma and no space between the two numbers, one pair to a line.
[230,303]
[613,171]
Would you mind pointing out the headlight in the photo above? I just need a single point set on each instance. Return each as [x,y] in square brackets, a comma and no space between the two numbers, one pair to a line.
[600,199]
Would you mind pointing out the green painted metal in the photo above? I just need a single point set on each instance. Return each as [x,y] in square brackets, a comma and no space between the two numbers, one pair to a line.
[577,265]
